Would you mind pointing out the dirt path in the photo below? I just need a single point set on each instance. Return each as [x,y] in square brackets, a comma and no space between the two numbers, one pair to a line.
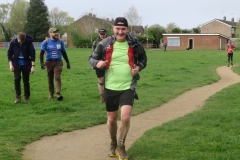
[92,143]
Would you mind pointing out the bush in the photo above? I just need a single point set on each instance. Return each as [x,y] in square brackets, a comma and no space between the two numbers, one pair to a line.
[81,41]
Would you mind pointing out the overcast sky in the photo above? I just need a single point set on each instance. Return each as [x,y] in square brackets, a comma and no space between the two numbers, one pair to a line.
[186,14]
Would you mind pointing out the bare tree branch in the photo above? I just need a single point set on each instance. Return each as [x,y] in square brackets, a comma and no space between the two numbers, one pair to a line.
[59,18]
[133,18]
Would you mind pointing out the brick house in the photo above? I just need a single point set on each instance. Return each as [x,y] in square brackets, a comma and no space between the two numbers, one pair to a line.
[219,26]
[195,41]
[214,35]
[89,24]
[137,30]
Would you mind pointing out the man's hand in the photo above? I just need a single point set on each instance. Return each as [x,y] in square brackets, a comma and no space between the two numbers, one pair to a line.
[11,68]
[42,66]
[32,69]
[135,70]
[101,64]
[68,66]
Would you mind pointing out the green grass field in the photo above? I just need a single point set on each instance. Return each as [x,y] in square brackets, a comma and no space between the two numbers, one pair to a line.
[209,133]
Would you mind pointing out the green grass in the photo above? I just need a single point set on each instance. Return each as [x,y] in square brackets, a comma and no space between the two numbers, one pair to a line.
[167,75]
[211,133]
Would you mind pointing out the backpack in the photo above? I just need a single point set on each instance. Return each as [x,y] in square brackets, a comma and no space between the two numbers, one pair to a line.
[46,39]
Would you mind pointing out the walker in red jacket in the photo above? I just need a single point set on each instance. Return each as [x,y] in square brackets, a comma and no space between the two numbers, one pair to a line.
[230,47]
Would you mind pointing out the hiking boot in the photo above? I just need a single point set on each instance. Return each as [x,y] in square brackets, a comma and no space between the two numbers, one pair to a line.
[50,96]
[18,99]
[112,150]
[228,65]
[59,97]
[26,99]
[121,152]
[102,98]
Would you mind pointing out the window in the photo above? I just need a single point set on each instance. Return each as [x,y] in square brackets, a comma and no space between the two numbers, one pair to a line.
[173,41]
[232,30]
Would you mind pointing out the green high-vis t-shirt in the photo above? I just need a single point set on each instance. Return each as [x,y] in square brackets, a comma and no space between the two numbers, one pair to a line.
[118,76]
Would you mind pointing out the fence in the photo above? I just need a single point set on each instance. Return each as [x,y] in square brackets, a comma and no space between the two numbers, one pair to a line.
[36,45]
[4,44]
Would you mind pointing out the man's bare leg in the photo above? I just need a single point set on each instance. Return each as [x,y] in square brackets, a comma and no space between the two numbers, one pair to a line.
[112,127]
[101,89]
[123,130]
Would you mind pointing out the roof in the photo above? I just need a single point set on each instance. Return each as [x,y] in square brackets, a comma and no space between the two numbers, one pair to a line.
[229,23]
[137,29]
[103,22]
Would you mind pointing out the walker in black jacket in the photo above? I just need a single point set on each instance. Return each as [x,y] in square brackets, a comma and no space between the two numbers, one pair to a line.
[21,57]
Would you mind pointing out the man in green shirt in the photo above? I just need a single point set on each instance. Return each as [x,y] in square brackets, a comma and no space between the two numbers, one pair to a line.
[122,57]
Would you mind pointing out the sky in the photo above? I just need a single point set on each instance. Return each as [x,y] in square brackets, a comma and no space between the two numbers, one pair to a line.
[186,14]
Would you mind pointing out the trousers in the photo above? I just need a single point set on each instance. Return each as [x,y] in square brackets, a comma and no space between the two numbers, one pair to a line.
[17,80]
[54,70]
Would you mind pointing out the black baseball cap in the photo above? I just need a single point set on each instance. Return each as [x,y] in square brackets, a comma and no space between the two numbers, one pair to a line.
[121,21]
[102,31]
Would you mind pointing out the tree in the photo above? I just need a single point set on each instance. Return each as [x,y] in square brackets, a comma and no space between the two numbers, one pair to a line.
[133,18]
[196,30]
[184,31]
[79,40]
[237,32]
[16,2]
[37,24]
[18,16]
[156,31]
[170,27]
[176,30]
[60,19]
[7,33]
[87,27]
[4,12]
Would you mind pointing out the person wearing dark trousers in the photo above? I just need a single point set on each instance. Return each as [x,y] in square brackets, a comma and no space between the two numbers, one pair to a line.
[55,49]
[100,72]
[21,57]
[165,46]
[230,47]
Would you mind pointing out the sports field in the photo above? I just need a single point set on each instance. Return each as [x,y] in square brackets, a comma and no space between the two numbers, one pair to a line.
[168,74]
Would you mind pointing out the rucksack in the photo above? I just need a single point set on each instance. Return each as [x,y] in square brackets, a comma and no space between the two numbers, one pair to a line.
[46,39]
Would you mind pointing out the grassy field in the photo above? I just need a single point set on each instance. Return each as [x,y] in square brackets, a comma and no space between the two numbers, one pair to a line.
[210,132]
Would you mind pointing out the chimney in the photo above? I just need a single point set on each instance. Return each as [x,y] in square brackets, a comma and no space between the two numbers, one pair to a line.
[90,14]
[94,16]
[224,18]
[232,19]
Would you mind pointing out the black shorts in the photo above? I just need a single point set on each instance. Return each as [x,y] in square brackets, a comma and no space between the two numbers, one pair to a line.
[114,99]
[100,73]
